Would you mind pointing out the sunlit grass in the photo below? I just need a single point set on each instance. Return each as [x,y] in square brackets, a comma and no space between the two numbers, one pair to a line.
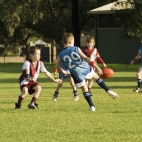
[68,121]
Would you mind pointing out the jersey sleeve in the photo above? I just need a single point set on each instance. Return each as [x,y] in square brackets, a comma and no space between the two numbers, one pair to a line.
[26,65]
[42,69]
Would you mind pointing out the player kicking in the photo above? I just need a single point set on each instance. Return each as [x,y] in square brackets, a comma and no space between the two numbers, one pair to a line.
[80,67]
[27,80]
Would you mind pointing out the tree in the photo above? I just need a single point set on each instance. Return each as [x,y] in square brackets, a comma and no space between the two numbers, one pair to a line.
[130,17]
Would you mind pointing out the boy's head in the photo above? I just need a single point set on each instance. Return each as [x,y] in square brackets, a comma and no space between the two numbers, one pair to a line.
[90,40]
[34,53]
[68,38]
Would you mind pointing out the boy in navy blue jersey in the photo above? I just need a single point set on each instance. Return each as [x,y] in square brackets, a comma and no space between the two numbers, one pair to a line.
[62,77]
[80,68]
[139,73]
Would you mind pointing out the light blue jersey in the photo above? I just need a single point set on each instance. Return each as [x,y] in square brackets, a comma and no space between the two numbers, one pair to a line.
[74,63]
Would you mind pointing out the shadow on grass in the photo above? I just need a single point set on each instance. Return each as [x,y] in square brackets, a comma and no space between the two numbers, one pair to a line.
[44,80]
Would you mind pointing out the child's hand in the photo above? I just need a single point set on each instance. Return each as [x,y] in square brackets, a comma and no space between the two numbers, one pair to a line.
[104,65]
[100,72]
[58,80]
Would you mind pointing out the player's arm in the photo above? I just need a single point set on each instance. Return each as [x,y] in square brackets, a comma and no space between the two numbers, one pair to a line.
[26,68]
[90,62]
[58,65]
[137,57]
[55,68]
[49,75]
[100,60]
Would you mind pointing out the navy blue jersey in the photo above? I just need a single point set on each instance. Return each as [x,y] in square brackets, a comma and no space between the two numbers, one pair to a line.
[141,52]
[74,63]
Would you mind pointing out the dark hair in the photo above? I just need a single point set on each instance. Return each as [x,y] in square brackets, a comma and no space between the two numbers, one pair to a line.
[31,50]
[66,37]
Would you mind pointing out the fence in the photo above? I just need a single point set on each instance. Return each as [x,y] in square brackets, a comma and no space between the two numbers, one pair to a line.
[12,59]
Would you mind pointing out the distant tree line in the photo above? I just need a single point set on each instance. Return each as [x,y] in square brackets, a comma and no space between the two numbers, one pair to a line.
[22,21]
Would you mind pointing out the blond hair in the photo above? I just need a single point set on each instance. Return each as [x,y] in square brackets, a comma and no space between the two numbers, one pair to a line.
[67,37]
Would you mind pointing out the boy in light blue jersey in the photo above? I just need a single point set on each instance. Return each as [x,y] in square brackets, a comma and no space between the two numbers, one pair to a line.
[80,68]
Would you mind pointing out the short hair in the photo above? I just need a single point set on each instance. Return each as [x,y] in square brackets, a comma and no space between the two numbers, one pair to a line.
[90,39]
[67,37]
[31,49]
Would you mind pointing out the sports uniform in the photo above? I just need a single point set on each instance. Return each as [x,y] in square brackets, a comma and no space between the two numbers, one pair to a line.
[78,68]
[93,54]
[62,77]
[33,73]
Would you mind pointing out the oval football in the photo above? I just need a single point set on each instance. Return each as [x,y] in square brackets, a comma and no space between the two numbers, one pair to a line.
[107,73]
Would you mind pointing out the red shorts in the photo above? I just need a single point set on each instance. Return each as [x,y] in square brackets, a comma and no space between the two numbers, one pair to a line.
[30,86]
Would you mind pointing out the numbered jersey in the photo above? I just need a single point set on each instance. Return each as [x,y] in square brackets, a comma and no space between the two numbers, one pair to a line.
[74,63]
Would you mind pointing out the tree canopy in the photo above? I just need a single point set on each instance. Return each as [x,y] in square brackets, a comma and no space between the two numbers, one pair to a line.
[25,20]
[131,17]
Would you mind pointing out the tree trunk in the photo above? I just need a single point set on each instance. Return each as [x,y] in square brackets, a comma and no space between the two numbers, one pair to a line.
[75,22]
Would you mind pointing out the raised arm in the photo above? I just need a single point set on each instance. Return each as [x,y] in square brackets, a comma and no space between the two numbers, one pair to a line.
[137,57]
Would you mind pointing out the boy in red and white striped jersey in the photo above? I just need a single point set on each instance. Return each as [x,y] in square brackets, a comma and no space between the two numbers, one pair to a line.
[28,79]
[92,52]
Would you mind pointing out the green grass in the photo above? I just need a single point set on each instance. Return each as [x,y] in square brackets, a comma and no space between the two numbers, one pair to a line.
[68,121]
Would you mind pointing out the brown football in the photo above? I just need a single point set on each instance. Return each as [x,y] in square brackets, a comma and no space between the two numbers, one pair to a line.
[107,73]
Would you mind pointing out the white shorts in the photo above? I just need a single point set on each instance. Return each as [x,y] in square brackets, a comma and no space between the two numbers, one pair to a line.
[88,76]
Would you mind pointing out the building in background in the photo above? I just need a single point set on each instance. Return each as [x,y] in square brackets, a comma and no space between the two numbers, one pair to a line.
[112,46]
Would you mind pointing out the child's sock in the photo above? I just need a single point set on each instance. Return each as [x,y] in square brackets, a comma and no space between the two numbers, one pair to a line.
[139,82]
[33,100]
[75,93]
[88,98]
[101,83]
[20,99]
[56,94]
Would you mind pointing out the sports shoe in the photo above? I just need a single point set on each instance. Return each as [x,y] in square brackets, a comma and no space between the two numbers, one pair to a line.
[17,106]
[76,98]
[54,98]
[92,108]
[112,94]
[138,90]
[32,105]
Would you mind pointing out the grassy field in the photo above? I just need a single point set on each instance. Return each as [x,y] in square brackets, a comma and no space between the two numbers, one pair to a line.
[69,121]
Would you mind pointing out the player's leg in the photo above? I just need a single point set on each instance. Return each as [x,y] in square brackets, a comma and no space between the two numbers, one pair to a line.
[75,92]
[87,96]
[139,81]
[21,97]
[102,84]
[90,84]
[56,93]
[36,92]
